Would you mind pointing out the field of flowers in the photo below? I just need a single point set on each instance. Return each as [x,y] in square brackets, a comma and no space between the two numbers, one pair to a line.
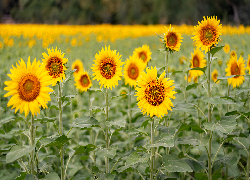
[124,101]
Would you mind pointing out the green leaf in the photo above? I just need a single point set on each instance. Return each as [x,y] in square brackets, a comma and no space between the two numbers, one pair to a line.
[197,128]
[17,152]
[215,50]
[195,165]
[46,120]
[6,120]
[30,177]
[191,86]
[120,122]
[79,177]
[216,100]
[85,122]
[107,152]
[172,163]
[198,68]
[184,107]
[200,176]
[84,149]
[54,107]
[22,176]
[165,141]
[189,141]
[51,176]
[175,72]
[57,141]
[227,160]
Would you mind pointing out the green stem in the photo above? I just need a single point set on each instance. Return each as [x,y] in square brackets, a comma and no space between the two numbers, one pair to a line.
[152,150]
[209,120]
[32,142]
[91,130]
[248,159]
[166,65]
[61,129]
[107,131]
[129,107]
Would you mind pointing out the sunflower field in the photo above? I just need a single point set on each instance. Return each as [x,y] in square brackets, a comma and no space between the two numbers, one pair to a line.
[125,101]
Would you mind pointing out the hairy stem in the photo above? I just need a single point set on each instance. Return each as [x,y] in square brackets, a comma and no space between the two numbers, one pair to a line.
[32,142]
[107,131]
[152,150]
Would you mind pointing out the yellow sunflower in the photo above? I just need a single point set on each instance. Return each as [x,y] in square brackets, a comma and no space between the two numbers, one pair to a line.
[172,39]
[197,61]
[107,68]
[154,93]
[83,82]
[226,48]
[233,54]
[28,87]
[77,64]
[143,53]
[248,64]
[182,59]
[207,33]
[54,64]
[215,75]
[235,67]
[132,70]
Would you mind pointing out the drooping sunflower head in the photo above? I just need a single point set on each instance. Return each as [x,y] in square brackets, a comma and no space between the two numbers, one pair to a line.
[233,54]
[197,61]
[28,87]
[107,68]
[172,39]
[54,63]
[132,70]
[83,82]
[226,48]
[77,64]
[236,68]
[248,63]
[154,94]
[215,76]
[144,53]
[207,33]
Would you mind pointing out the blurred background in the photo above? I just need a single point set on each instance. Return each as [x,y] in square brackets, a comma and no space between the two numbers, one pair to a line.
[232,12]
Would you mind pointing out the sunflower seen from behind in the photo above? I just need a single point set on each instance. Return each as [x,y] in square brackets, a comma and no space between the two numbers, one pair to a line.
[172,39]
[28,87]
[54,63]
[154,94]
[197,61]
[236,68]
[132,70]
[143,53]
[107,68]
[82,81]
[78,66]
[207,33]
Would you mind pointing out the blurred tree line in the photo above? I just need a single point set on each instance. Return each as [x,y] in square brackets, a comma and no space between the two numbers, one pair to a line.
[232,12]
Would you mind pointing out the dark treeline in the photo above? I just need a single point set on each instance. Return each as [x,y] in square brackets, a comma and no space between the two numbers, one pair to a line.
[233,12]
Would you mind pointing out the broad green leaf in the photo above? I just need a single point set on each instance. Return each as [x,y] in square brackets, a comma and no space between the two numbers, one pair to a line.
[30,177]
[189,141]
[22,176]
[175,72]
[110,152]
[172,163]
[165,140]
[191,86]
[209,126]
[79,177]
[74,168]
[216,100]
[200,176]
[51,176]
[6,120]
[198,68]
[195,165]
[196,128]
[17,152]
[215,50]
[121,122]
[58,141]
[184,107]
[83,149]
[185,127]
[227,160]
[85,122]
[45,120]
[54,107]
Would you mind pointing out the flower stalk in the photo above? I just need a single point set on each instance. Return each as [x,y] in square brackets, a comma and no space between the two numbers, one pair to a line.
[32,142]
[107,131]
[152,150]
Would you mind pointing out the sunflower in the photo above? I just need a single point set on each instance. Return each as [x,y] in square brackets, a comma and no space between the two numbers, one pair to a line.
[143,53]
[132,70]
[248,64]
[215,75]
[154,93]
[28,87]
[235,67]
[172,39]
[54,64]
[182,59]
[197,61]
[207,33]
[107,68]
[233,54]
[226,48]
[77,64]
[83,82]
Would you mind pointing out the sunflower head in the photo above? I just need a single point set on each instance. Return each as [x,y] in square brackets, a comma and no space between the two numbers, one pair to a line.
[83,82]
[77,64]
[172,39]
[143,53]
[233,54]
[207,33]
[54,63]
[132,70]
[154,94]
[215,76]
[236,68]
[226,48]
[28,87]
[107,68]
[248,63]
[197,61]
[182,59]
